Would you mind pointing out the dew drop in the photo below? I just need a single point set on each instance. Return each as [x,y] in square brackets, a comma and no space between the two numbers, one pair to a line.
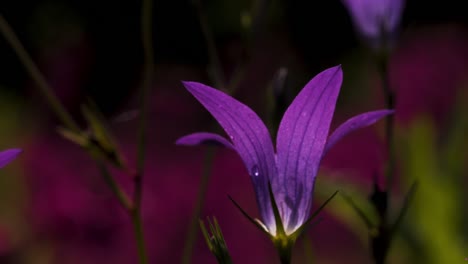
[254,171]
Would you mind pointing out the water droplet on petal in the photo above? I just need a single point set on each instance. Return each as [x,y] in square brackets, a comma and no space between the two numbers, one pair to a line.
[254,171]
[231,137]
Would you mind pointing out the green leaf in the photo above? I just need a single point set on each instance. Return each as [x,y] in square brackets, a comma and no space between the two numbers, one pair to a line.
[433,225]
[302,228]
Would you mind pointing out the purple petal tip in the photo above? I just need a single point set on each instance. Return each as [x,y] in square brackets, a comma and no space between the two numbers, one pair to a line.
[189,85]
[8,155]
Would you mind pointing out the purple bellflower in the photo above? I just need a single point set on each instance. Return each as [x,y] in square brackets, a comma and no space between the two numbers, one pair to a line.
[302,141]
[7,156]
[377,21]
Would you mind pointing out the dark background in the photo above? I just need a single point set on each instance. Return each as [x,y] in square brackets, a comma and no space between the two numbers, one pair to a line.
[54,207]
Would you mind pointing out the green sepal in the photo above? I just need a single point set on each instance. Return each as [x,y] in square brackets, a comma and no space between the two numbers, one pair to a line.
[256,222]
[372,227]
[408,198]
[301,229]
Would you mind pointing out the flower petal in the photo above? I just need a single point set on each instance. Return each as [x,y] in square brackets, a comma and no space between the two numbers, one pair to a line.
[301,139]
[250,137]
[206,138]
[370,17]
[366,16]
[353,124]
[8,155]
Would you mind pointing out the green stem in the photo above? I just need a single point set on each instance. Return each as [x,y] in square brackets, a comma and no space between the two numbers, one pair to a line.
[36,75]
[284,247]
[221,83]
[138,229]
[381,243]
[122,197]
[286,255]
[132,207]
[205,179]
[147,41]
[217,75]
[389,121]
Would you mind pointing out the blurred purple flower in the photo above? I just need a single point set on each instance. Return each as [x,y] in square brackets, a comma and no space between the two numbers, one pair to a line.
[300,145]
[7,156]
[376,21]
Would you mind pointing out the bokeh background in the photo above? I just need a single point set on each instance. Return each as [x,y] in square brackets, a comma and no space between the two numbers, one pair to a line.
[55,208]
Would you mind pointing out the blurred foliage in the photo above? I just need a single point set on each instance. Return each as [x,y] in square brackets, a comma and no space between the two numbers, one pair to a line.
[436,225]
[14,198]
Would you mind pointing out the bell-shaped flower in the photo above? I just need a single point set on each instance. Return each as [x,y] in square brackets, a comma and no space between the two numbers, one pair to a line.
[301,143]
[377,21]
[7,156]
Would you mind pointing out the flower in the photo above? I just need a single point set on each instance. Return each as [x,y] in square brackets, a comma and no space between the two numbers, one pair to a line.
[376,21]
[7,156]
[300,144]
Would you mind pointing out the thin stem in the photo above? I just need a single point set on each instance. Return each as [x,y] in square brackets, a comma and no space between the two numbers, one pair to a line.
[122,197]
[138,229]
[381,243]
[133,208]
[205,179]
[389,121]
[217,75]
[284,247]
[219,80]
[36,75]
[285,259]
[147,40]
